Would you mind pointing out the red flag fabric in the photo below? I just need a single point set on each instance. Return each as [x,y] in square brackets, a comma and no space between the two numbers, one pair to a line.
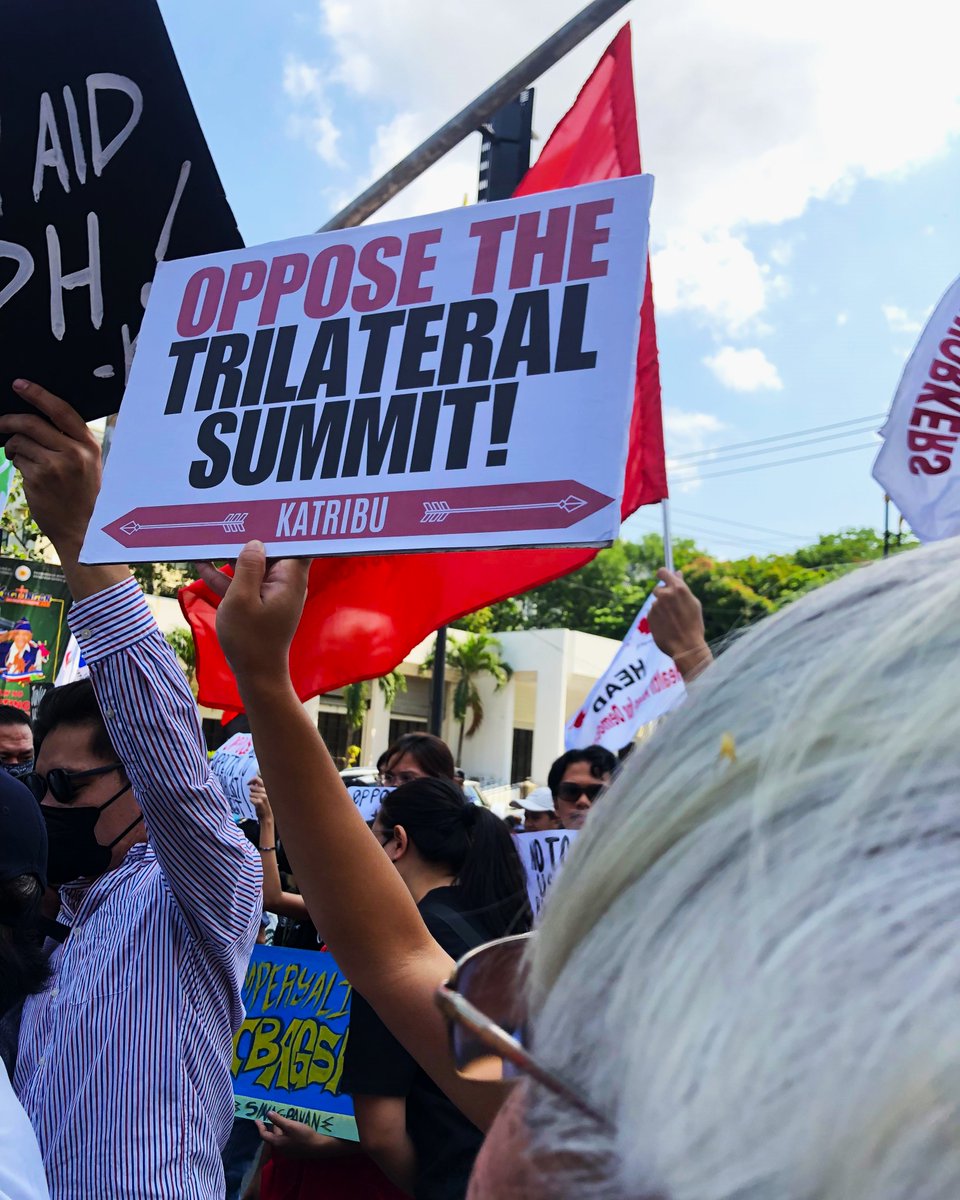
[364,614]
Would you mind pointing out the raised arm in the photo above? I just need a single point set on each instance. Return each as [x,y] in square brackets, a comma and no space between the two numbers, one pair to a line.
[212,871]
[355,897]
[676,622]
[275,899]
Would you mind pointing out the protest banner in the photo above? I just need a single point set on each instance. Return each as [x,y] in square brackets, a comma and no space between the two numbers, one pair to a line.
[640,685]
[235,764]
[288,1053]
[452,381]
[104,172]
[917,465]
[542,855]
[368,799]
[34,601]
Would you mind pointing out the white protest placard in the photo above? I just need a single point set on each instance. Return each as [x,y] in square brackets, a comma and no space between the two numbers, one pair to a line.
[453,381]
[542,855]
[234,765]
[368,799]
[640,685]
[918,465]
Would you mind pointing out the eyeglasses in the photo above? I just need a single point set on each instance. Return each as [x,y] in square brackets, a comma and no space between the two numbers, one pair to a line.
[571,792]
[396,778]
[61,783]
[378,833]
[482,1002]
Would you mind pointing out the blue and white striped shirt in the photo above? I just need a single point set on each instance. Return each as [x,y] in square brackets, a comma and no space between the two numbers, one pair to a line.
[124,1061]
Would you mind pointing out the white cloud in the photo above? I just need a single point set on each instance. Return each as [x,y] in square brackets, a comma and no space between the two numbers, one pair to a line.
[312,116]
[715,276]
[899,320]
[686,433]
[748,111]
[744,370]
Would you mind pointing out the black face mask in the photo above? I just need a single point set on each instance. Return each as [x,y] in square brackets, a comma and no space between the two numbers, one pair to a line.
[18,770]
[73,850]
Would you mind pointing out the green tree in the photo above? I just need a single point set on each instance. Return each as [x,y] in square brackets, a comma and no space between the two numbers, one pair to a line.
[477,654]
[182,644]
[356,696]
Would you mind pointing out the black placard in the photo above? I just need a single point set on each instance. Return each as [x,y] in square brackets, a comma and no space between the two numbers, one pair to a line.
[104,171]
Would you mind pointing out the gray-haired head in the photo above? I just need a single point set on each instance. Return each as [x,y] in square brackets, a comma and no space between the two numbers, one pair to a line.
[750,963]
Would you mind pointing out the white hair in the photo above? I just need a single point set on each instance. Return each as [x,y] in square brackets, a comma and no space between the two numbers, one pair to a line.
[751,965]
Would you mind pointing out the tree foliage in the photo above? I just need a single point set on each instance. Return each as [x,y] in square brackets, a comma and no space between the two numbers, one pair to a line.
[604,596]
[356,696]
[477,654]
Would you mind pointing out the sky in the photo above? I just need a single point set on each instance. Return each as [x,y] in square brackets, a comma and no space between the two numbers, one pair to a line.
[805,219]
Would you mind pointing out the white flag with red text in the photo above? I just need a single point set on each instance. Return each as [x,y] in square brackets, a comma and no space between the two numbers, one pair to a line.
[641,684]
[918,465]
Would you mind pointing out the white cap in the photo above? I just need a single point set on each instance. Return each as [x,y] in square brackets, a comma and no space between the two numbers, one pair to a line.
[539,800]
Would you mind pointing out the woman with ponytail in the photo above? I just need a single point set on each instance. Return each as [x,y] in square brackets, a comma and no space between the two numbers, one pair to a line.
[459,863]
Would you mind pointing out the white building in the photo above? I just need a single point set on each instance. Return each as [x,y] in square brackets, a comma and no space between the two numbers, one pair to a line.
[522,729]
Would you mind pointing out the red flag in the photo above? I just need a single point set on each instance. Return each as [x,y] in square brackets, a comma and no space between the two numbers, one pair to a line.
[364,614]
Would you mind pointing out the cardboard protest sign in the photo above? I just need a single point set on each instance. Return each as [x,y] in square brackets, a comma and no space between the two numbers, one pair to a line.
[234,765]
[288,1053]
[918,465]
[640,685]
[446,382]
[542,855]
[368,799]
[104,172]
[34,601]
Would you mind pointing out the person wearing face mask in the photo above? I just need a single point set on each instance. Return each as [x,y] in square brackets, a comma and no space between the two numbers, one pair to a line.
[16,741]
[23,971]
[123,1062]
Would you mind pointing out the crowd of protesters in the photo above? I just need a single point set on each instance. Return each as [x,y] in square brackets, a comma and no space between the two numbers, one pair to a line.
[744,982]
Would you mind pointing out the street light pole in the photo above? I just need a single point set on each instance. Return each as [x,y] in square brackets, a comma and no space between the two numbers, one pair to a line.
[479,111]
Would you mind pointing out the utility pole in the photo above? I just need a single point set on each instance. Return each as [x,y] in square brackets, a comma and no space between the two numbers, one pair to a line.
[504,160]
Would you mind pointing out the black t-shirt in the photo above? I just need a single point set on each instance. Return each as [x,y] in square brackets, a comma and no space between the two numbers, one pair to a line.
[375,1064]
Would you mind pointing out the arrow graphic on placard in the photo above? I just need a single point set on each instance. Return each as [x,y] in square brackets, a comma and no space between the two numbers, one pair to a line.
[435,512]
[232,523]
[434,517]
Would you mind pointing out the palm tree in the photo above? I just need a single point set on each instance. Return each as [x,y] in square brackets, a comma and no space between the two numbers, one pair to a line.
[477,654]
[356,696]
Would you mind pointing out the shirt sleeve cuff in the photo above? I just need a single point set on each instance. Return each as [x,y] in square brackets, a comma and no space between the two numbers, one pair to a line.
[112,620]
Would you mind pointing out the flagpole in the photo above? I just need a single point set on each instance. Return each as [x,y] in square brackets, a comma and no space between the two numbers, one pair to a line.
[667,539]
[886,525]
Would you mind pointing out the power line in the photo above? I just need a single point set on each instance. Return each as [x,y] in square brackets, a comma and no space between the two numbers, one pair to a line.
[722,458]
[686,512]
[778,437]
[784,462]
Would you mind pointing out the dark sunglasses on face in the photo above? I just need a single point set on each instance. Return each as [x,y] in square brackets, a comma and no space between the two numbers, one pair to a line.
[486,1020]
[61,783]
[571,792]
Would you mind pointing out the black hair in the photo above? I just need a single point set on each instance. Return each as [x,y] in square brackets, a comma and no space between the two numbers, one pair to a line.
[431,754]
[11,715]
[24,968]
[600,761]
[472,842]
[73,704]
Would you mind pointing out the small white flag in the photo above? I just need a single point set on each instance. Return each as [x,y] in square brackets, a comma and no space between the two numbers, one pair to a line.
[918,463]
[641,684]
[73,667]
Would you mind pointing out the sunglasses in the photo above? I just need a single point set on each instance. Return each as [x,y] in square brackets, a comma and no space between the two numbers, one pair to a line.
[571,792]
[61,783]
[483,1004]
